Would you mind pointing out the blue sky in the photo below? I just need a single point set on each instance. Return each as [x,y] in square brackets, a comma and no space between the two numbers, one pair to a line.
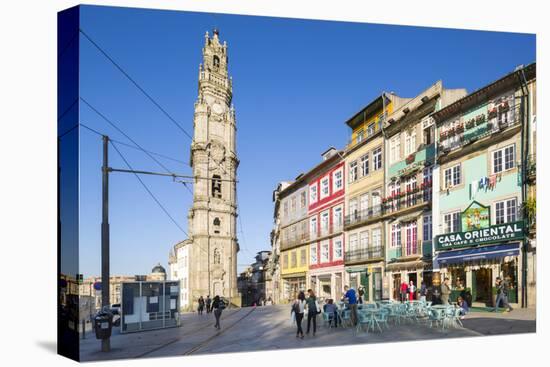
[295,84]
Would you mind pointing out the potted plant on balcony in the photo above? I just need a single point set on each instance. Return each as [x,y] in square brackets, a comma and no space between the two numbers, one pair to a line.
[459,129]
[410,159]
[504,107]
[480,119]
[470,124]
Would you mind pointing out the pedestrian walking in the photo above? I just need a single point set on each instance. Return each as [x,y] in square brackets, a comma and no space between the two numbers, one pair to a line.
[445,291]
[412,291]
[351,297]
[312,311]
[201,305]
[208,304]
[503,288]
[423,291]
[297,313]
[218,305]
[403,290]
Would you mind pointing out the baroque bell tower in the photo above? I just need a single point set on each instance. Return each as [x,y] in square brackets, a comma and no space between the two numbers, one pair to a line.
[213,216]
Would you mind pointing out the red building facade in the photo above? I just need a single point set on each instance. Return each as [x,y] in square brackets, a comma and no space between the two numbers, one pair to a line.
[326,190]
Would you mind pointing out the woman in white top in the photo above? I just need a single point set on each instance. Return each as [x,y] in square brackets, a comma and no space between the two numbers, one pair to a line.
[298,308]
[412,290]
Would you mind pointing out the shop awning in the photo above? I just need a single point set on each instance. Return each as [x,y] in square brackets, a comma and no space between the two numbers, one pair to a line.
[479,253]
[356,269]
[294,275]
[406,265]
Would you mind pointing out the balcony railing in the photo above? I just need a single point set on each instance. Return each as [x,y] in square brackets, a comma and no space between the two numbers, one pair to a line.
[413,248]
[364,254]
[408,199]
[331,229]
[498,119]
[361,216]
[292,241]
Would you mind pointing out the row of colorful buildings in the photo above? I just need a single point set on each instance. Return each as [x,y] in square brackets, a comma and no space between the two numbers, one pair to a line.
[439,185]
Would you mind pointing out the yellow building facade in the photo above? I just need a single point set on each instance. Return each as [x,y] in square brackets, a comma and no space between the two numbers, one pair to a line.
[364,228]
[294,268]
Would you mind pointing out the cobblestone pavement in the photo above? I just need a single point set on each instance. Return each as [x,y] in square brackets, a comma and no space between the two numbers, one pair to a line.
[269,328]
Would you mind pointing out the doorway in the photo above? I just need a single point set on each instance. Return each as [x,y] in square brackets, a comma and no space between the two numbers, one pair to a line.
[365,286]
[483,286]
[325,288]
[396,286]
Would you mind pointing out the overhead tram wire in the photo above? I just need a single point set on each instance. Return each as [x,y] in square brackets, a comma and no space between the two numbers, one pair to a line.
[140,149]
[140,88]
[115,141]
[135,147]
[110,122]
[123,133]
[148,190]
[135,83]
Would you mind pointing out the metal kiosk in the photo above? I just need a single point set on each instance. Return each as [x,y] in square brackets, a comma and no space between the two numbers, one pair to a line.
[149,305]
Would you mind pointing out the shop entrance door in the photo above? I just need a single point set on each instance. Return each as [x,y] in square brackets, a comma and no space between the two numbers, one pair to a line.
[483,284]
[396,286]
[365,286]
[324,288]
[377,286]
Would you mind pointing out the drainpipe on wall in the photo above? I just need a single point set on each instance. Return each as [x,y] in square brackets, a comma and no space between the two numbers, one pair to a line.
[524,148]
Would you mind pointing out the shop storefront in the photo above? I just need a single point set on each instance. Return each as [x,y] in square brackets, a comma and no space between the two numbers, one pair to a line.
[417,271]
[292,285]
[327,282]
[370,279]
[473,260]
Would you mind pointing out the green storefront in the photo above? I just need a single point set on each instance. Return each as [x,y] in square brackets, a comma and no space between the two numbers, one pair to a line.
[473,259]
[369,279]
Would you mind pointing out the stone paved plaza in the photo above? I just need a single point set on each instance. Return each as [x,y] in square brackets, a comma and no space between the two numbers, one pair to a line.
[269,328]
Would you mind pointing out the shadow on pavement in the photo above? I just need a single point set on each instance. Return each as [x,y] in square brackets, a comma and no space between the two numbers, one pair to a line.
[48,345]
[492,326]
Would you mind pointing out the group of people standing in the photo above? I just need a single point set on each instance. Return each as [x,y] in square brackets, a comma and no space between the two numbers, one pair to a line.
[310,306]
[216,305]
[302,306]
[408,291]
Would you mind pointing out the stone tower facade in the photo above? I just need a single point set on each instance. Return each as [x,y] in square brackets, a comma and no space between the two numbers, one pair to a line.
[213,217]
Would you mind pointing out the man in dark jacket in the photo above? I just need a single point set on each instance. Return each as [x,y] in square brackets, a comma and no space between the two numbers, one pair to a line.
[503,288]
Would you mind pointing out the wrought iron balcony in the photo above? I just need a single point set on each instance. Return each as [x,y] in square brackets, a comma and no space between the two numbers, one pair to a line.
[408,199]
[364,254]
[362,216]
[466,132]
[413,248]
[293,241]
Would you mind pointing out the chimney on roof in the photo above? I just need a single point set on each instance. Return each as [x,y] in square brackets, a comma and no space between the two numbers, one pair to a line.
[328,153]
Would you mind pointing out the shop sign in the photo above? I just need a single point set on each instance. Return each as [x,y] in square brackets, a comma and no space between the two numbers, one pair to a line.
[492,234]
[476,216]
[410,168]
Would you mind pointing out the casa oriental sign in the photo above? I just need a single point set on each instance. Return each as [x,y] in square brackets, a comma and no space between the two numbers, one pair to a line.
[491,234]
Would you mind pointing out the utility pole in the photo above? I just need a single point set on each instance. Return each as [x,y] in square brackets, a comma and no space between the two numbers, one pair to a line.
[105,276]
